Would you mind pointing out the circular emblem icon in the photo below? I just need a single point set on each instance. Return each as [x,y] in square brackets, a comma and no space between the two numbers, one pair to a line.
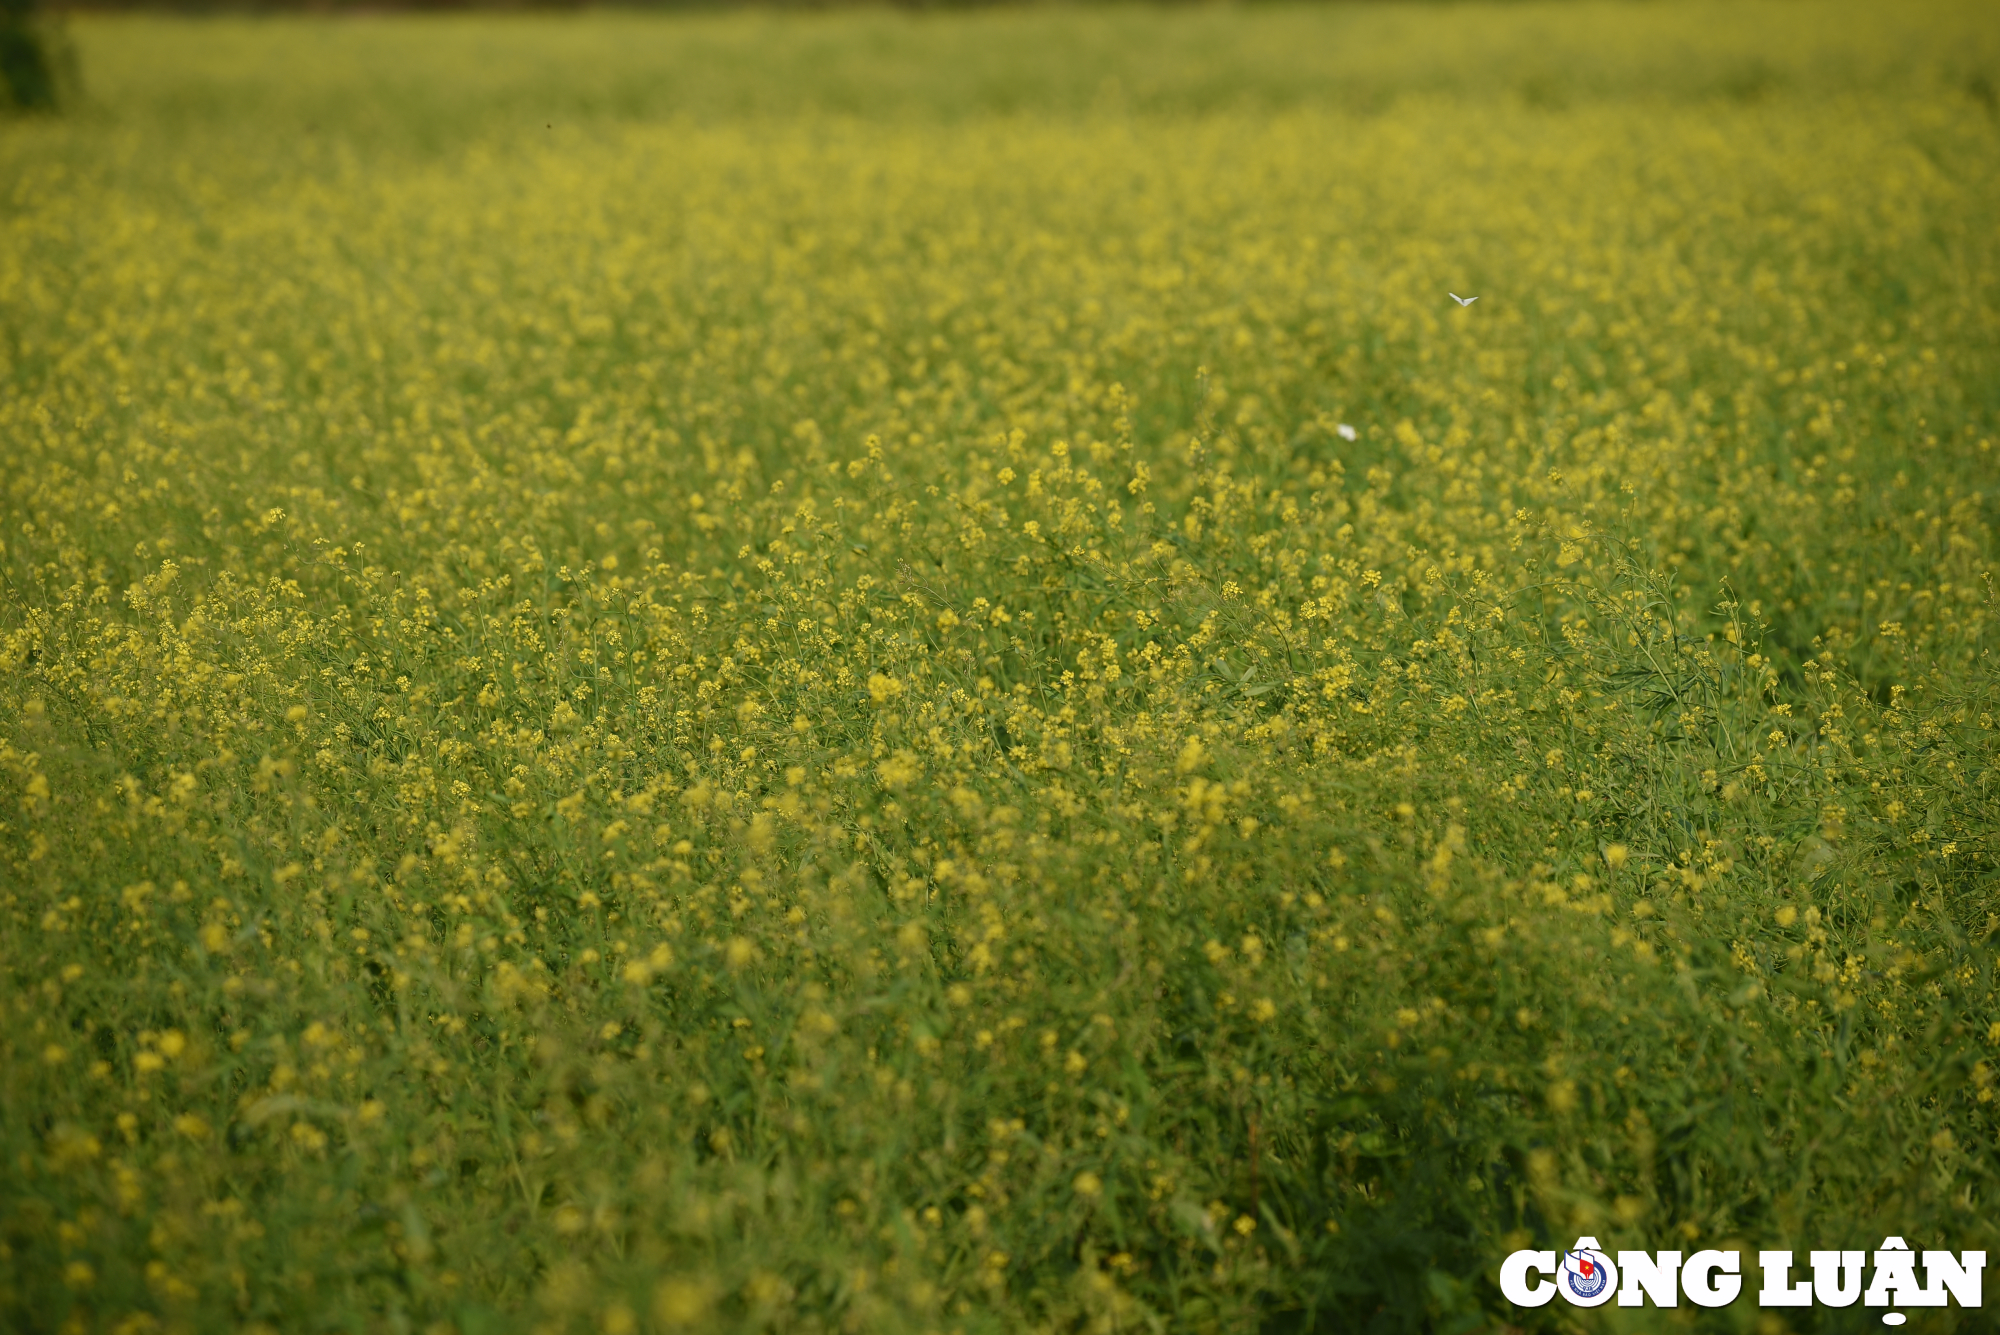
[1588,1276]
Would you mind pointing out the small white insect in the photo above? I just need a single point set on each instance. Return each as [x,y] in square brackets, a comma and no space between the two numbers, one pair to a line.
[1463,301]
[1346,432]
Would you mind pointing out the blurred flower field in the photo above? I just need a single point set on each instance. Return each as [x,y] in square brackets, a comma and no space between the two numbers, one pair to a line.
[731,673]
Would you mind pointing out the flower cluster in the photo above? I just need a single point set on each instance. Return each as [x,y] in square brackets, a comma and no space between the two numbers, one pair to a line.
[975,721]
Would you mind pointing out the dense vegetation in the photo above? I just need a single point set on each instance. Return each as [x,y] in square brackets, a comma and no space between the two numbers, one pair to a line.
[893,673]
[32,60]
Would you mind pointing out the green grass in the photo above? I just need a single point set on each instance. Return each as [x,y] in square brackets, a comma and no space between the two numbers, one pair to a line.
[733,672]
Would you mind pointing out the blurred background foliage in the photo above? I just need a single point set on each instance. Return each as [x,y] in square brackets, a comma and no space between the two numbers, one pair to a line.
[374,71]
[37,67]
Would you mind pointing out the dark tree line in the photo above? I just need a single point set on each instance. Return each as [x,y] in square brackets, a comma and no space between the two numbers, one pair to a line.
[32,64]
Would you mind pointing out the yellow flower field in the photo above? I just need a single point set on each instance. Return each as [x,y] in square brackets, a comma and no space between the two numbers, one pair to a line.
[875,673]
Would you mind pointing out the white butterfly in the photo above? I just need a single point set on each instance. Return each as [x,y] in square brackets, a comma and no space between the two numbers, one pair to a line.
[1463,301]
[1346,432]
